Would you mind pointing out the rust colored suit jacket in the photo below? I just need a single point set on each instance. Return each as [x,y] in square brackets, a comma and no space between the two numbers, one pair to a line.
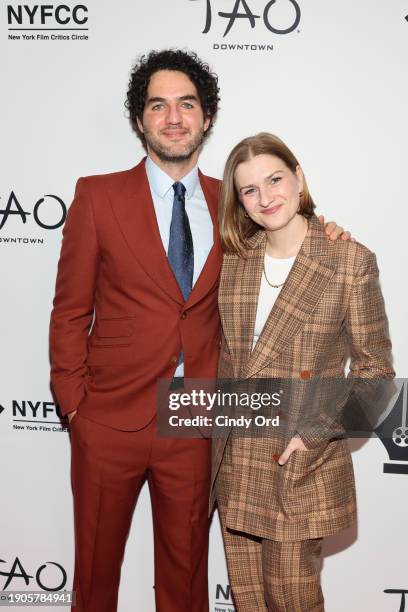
[119,319]
[329,308]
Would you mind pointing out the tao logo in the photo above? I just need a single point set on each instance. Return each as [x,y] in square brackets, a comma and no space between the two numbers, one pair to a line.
[402,592]
[248,14]
[18,210]
[17,571]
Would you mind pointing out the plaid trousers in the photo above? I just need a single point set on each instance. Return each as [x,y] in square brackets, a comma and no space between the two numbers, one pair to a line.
[266,575]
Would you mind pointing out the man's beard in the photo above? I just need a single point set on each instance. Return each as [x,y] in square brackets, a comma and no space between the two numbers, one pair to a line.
[166,154]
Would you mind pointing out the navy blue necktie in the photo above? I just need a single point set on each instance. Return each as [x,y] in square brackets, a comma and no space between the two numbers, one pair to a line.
[180,253]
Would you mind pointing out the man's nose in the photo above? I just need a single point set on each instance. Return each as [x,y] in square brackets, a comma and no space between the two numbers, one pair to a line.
[173,114]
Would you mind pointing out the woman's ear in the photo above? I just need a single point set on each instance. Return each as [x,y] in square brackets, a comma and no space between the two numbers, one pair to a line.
[300,177]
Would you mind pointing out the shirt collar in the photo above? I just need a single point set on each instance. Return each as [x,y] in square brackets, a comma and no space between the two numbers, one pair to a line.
[161,183]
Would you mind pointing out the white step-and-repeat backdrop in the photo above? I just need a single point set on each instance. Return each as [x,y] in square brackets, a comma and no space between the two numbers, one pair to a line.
[330,78]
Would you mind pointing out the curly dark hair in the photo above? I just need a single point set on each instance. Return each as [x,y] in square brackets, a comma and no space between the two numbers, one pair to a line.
[199,73]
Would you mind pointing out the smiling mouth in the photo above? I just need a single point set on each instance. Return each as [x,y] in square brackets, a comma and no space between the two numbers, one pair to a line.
[272,210]
[175,134]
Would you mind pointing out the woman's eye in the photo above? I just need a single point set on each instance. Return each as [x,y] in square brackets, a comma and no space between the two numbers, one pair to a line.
[275,179]
[249,191]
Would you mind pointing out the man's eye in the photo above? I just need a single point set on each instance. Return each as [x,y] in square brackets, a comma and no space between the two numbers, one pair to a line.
[187,105]
[157,107]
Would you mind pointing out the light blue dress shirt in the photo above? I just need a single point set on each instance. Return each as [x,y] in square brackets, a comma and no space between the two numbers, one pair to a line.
[161,187]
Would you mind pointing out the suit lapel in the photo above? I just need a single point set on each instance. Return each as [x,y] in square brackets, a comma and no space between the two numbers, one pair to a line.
[134,211]
[246,288]
[304,286]
[135,214]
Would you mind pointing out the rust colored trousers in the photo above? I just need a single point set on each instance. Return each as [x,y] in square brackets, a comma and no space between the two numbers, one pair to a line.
[108,469]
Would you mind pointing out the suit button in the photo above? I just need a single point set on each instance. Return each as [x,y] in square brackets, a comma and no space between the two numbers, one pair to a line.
[173,359]
[184,315]
[305,374]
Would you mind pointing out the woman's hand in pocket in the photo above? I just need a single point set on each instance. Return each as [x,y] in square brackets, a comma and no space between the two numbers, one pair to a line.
[296,444]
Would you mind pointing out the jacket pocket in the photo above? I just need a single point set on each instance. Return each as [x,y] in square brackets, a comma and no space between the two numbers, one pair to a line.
[112,332]
[318,481]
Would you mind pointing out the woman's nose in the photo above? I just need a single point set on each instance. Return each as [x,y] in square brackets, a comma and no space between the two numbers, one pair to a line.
[265,197]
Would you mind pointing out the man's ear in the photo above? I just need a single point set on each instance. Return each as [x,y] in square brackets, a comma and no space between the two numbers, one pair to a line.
[207,123]
[139,125]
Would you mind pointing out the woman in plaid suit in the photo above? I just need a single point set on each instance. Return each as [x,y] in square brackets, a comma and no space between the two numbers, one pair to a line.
[293,306]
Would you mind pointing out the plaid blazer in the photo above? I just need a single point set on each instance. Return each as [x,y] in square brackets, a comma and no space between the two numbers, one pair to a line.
[330,308]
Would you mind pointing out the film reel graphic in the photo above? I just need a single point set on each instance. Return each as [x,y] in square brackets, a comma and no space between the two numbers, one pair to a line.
[393,433]
[400,436]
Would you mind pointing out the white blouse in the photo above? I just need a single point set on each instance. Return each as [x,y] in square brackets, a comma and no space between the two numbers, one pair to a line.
[277,271]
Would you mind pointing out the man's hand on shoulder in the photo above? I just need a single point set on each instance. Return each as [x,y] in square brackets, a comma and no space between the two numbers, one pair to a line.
[334,231]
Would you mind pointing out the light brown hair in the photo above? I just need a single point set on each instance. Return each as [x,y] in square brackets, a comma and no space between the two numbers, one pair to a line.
[235,228]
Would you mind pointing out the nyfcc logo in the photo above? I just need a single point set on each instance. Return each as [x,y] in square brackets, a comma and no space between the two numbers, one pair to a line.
[46,14]
[35,416]
[47,17]
[223,598]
